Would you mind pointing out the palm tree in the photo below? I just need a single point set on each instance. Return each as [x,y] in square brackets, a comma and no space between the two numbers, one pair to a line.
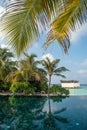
[28,71]
[51,69]
[6,65]
[30,67]
[26,68]
[25,20]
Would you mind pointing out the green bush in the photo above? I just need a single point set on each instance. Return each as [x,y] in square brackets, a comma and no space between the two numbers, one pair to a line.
[7,86]
[22,87]
[55,89]
[44,88]
[4,86]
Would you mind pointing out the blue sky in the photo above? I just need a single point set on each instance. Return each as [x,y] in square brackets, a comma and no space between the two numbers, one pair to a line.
[75,61]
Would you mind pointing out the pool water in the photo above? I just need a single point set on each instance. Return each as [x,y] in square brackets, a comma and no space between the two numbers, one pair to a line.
[29,113]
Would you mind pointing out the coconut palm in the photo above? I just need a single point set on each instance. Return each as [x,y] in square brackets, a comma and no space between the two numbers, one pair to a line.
[28,71]
[30,67]
[26,68]
[6,65]
[24,20]
[32,72]
[5,54]
[52,69]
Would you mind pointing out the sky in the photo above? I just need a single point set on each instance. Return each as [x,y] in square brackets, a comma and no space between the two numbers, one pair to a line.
[75,60]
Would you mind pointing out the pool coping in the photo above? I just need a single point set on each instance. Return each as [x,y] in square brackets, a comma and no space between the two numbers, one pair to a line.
[36,95]
[28,95]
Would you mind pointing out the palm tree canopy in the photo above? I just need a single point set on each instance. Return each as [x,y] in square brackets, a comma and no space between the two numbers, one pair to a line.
[6,65]
[24,20]
[29,63]
[5,54]
[51,67]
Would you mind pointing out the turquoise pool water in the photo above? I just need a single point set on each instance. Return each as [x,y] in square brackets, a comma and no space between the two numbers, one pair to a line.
[79,91]
[29,113]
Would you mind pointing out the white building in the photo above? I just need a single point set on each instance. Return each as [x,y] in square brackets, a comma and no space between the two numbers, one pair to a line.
[70,84]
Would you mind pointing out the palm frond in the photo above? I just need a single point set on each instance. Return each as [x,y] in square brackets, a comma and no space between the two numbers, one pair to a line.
[14,76]
[46,63]
[73,16]
[61,69]
[20,24]
[42,71]
[55,63]
[24,20]
[61,75]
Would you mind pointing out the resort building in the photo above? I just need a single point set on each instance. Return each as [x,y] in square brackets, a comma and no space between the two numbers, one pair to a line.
[70,84]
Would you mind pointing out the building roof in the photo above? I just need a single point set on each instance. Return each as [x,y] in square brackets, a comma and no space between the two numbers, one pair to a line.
[69,81]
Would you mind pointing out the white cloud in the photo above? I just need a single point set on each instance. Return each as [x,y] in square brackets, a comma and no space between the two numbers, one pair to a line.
[5,46]
[76,35]
[49,56]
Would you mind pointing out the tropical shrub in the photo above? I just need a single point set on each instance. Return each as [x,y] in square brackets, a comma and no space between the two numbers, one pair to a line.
[22,87]
[4,86]
[45,87]
[55,89]
[39,86]
[30,90]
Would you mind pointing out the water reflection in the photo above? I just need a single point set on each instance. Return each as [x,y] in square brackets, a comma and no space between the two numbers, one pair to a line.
[27,114]
[51,119]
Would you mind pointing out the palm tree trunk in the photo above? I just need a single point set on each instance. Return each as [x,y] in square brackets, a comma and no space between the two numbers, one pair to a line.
[49,85]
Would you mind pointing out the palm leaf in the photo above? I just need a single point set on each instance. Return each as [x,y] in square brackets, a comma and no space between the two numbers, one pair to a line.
[61,75]
[23,21]
[61,69]
[74,15]
[20,24]
[14,76]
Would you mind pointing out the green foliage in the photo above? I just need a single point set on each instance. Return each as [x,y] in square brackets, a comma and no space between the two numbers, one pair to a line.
[45,88]
[29,90]
[55,89]
[4,86]
[22,87]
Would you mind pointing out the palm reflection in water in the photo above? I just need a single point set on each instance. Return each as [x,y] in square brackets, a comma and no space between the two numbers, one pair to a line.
[24,113]
[49,120]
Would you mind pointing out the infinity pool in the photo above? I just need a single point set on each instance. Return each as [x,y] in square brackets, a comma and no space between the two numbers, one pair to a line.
[29,113]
